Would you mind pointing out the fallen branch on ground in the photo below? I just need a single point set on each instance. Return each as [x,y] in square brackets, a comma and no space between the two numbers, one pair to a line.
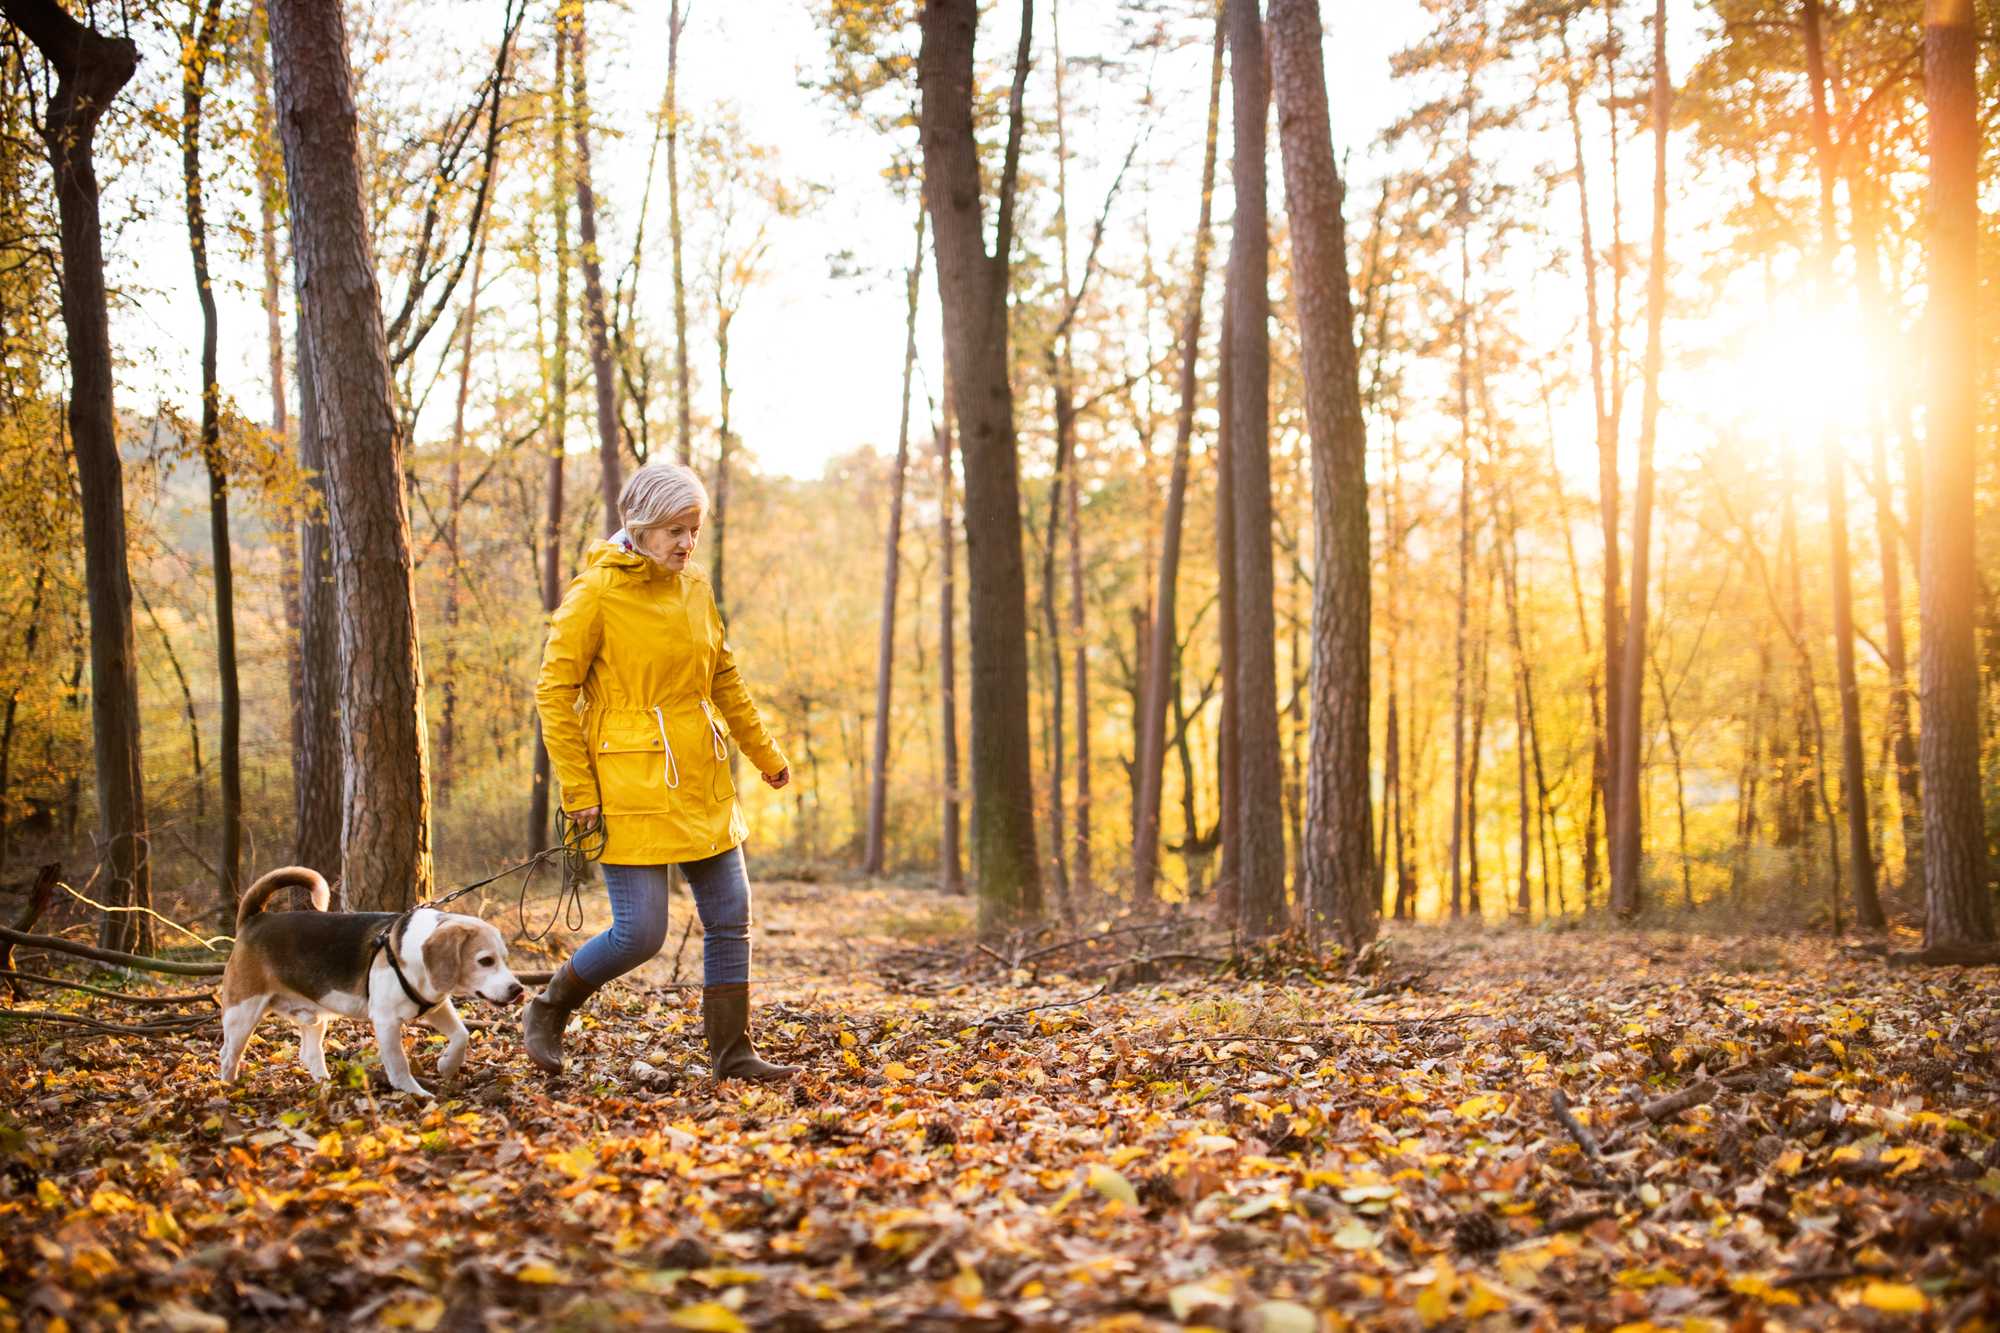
[1948,955]
[55,943]
[159,1027]
[188,997]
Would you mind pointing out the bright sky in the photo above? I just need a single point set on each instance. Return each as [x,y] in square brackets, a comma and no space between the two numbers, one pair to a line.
[817,349]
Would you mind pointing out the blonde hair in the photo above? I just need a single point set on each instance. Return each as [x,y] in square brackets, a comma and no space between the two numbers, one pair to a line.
[657,492]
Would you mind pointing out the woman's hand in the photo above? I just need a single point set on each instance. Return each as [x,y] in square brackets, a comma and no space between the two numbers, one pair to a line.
[585,818]
[778,779]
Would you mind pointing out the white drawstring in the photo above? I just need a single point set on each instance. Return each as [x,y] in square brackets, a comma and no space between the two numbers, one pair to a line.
[672,769]
[718,742]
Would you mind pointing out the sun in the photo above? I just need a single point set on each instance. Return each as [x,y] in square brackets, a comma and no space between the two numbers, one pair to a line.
[1795,373]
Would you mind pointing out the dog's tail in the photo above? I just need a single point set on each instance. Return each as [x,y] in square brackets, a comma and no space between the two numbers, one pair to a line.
[285,877]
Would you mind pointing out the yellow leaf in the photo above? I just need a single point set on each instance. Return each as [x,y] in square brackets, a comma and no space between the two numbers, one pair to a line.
[1355,1236]
[1894,1298]
[710,1316]
[105,1199]
[967,1289]
[1434,1304]
[49,1195]
[1189,1297]
[1112,1185]
[847,1041]
[538,1273]
[1790,1162]
[1749,1284]
[898,1071]
[1283,1317]
[579,1163]
[330,1145]
[1475,1108]
[421,1313]
[1480,1300]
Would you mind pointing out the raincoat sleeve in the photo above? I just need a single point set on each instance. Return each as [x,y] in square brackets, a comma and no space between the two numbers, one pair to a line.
[738,709]
[575,632]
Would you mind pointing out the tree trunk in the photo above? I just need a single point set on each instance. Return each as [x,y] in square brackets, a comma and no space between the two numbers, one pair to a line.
[1854,774]
[200,38]
[1958,906]
[725,315]
[385,829]
[1229,825]
[317,786]
[1605,418]
[1627,893]
[892,549]
[683,399]
[1259,795]
[91,69]
[948,837]
[595,323]
[454,501]
[1339,883]
[1459,784]
[972,288]
[1895,649]
[552,485]
[270,185]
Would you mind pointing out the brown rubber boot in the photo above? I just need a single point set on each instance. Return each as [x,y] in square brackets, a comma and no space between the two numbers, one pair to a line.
[725,1017]
[543,1021]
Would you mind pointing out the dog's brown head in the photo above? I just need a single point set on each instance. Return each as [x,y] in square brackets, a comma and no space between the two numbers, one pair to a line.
[466,956]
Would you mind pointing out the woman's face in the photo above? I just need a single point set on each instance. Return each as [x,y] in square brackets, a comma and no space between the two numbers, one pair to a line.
[671,543]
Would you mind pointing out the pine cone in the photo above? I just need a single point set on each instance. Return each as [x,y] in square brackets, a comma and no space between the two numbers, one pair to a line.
[939,1134]
[1476,1233]
[1932,1072]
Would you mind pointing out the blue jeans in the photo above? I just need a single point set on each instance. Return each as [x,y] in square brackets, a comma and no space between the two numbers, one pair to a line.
[639,920]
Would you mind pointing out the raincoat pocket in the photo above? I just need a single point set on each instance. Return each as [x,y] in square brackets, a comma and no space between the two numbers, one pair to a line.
[635,770]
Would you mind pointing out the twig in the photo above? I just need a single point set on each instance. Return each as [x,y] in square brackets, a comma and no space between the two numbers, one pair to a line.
[172,967]
[1032,1008]
[163,1027]
[996,957]
[1583,1137]
[1239,1036]
[190,997]
[1060,945]
[686,931]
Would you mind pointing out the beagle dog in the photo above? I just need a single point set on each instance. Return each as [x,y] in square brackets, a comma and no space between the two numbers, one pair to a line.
[389,968]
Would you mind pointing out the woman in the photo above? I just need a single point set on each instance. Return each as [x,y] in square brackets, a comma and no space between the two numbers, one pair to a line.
[637,686]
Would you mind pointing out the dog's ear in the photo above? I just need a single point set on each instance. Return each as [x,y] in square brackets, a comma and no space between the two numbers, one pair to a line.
[446,956]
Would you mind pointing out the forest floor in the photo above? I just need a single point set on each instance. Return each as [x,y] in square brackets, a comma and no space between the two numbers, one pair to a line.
[1133,1129]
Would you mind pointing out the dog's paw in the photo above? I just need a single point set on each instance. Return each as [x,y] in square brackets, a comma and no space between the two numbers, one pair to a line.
[415,1089]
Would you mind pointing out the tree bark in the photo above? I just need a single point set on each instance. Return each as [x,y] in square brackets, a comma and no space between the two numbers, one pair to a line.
[1854,771]
[1958,906]
[595,323]
[948,834]
[892,549]
[385,828]
[683,399]
[552,485]
[1895,648]
[318,783]
[200,37]
[270,187]
[1259,795]
[1627,893]
[454,501]
[1339,886]
[972,288]
[91,69]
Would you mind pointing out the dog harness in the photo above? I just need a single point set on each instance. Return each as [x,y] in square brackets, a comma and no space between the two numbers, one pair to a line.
[382,945]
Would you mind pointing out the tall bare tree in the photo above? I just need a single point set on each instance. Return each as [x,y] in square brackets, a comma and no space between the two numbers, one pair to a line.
[385,826]
[1627,893]
[885,650]
[1854,766]
[1339,888]
[1958,907]
[948,834]
[1159,675]
[677,17]
[972,288]
[1259,794]
[558,409]
[199,40]
[595,318]
[91,69]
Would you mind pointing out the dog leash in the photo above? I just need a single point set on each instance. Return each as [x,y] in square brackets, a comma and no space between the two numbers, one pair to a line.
[575,845]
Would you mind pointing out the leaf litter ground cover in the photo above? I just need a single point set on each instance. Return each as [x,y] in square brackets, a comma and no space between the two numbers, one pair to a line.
[1522,1128]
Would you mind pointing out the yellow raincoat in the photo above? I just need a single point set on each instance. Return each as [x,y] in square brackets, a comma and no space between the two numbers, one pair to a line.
[638,696]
